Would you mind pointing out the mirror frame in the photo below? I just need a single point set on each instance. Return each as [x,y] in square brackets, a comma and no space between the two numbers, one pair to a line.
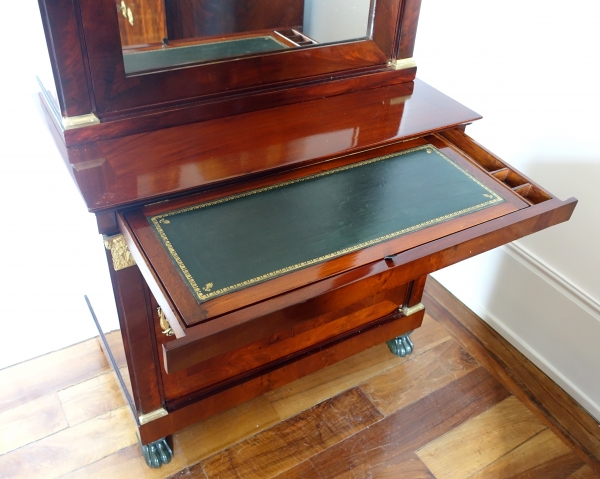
[92,78]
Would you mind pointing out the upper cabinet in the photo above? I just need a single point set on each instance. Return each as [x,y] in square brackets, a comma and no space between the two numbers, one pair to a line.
[118,59]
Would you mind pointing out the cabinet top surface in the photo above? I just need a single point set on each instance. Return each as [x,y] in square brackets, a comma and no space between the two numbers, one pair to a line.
[150,166]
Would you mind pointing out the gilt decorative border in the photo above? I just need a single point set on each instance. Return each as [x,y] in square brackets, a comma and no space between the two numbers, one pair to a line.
[204,293]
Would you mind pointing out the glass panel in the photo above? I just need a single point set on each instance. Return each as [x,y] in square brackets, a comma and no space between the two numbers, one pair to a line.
[161,34]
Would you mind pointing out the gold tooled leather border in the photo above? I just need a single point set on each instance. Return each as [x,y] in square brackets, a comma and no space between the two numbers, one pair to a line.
[206,293]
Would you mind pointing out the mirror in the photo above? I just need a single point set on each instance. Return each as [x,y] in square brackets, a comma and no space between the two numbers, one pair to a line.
[165,34]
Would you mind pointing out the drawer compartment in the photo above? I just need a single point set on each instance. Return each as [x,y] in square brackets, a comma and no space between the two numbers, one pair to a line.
[305,326]
[344,244]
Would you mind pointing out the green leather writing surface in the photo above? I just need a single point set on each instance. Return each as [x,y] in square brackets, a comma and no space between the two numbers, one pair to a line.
[233,242]
[203,52]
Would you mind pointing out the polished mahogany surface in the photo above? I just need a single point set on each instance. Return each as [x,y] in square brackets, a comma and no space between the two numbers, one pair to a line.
[210,109]
[198,155]
[71,73]
[85,48]
[147,23]
[199,18]
[115,91]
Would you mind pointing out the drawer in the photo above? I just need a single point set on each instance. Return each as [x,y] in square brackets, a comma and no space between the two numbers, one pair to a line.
[445,199]
[303,328]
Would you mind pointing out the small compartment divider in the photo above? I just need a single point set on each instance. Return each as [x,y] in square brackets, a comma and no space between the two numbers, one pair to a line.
[496,168]
[500,174]
[532,193]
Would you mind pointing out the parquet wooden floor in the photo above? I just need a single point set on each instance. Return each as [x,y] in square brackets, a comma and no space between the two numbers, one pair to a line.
[465,404]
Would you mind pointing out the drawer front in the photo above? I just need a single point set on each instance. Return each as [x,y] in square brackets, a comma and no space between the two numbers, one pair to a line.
[306,327]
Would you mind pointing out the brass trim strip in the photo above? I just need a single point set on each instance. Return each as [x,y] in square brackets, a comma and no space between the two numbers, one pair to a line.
[152,416]
[67,122]
[121,256]
[413,309]
[81,121]
[205,293]
[402,63]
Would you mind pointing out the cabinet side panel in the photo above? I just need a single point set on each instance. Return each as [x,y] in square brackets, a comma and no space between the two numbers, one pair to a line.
[408,28]
[59,18]
[135,318]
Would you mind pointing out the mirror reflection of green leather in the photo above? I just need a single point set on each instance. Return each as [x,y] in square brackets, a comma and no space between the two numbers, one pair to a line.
[237,241]
[173,56]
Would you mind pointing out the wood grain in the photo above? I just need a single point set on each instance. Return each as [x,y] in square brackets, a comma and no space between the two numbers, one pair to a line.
[412,427]
[521,377]
[419,377]
[201,18]
[68,61]
[478,442]
[50,373]
[257,142]
[538,451]
[402,466]
[128,463]
[169,117]
[194,472]
[71,448]
[149,23]
[115,342]
[304,470]
[584,472]
[31,421]
[292,442]
[133,300]
[285,374]
[91,398]
[304,393]
[556,468]
[204,439]
[115,92]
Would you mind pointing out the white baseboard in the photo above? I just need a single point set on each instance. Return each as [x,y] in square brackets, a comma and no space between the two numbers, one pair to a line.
[571,389]
[542,314]
[554,278]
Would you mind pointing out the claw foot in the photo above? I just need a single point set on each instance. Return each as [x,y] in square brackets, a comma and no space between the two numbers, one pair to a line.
[157,453]
[401,346]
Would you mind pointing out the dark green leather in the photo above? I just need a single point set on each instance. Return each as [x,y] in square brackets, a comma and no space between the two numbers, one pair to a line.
[204,52]
[234,242]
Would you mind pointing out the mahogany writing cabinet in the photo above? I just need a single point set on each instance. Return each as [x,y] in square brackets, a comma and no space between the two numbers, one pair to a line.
[272,193]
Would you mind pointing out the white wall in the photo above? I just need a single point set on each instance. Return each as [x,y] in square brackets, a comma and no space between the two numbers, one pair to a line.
[51,252]
[531,69]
